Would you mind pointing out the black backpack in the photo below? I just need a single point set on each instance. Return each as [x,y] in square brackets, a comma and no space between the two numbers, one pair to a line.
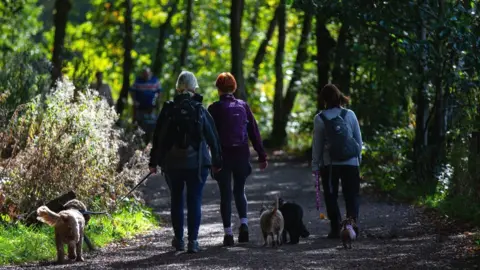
[341,142]
[184,128]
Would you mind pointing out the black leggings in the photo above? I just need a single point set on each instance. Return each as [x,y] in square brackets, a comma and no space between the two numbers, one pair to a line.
[350,176]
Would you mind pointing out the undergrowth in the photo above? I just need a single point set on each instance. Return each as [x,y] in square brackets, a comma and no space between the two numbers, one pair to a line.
[19,243]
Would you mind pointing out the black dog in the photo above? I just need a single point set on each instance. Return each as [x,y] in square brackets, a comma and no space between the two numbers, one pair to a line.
[292,215]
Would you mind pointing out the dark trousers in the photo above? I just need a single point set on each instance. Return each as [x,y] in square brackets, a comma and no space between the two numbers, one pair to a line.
[350,176]
[240,171]
[178,179]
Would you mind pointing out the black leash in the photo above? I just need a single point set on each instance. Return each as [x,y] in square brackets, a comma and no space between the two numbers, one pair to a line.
[135,187]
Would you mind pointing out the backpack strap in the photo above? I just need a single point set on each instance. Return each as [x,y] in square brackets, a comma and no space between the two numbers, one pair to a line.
[323,117]
[343,113]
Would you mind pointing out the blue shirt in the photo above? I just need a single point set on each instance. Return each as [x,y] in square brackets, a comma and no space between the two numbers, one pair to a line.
[146,91]
[320,154]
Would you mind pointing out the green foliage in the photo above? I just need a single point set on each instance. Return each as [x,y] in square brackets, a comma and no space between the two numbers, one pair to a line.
[19,23]
[20,243]
[385,159]
[23,75]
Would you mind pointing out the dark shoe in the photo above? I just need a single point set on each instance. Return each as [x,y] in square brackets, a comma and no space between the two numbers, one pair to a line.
[193,247]
[228,240]
[179,245]
[243,233]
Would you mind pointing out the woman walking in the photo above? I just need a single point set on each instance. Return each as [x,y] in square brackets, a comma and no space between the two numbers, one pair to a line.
[236,125]
[183,131]
[336,154]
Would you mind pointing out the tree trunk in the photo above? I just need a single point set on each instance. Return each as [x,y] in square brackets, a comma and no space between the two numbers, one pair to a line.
[421,131]
[182,60]
[280,123]
[60,18]
[236,12]
[188,35]
[277,135]
[262,50]
[253,23]
[340,55]
[325,43]
[162,37]
[127,57]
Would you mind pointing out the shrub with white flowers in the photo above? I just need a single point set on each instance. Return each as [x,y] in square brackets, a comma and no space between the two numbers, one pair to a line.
[61,144]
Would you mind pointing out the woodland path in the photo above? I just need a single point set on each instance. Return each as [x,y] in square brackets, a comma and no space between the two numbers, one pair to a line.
[393,235]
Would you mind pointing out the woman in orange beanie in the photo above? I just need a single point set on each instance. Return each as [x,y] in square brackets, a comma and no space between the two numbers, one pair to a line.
[235,125]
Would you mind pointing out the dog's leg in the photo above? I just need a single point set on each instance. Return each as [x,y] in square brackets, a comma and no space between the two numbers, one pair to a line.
[305,233]
[294,237]
[279,238]
[350,244]
[71,251]
[79,247]
[273,239]
[59,246]
[284,236]
[265,238]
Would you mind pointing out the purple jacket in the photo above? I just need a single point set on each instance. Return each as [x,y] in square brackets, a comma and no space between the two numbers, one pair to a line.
[240,152]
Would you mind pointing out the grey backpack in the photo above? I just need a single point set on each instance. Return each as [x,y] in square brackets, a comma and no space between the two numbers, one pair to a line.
[342,144]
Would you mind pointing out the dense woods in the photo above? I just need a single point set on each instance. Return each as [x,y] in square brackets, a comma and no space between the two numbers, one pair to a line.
[411,69]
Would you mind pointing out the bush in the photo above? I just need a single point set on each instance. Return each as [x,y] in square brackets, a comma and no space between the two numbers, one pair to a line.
[59,145]
[385,158]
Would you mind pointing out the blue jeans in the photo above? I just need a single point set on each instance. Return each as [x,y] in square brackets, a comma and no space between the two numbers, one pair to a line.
[240,172]
[178,180]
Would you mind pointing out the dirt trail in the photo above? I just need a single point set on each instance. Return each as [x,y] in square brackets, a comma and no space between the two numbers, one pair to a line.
[392,236]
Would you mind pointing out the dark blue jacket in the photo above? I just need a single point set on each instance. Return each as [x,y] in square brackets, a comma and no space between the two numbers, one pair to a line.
[162,154]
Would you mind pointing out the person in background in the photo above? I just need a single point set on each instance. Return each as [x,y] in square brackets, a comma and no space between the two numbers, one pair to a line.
[336,154]
[235,125]
[182,134]
[102,88]
[146,94]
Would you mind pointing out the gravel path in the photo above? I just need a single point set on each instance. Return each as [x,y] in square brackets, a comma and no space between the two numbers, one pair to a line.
[392,235]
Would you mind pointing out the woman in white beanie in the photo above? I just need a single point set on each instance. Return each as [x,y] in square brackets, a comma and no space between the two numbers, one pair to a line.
[183,131]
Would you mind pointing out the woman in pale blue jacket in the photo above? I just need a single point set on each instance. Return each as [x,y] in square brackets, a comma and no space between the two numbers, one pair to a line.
[336,154]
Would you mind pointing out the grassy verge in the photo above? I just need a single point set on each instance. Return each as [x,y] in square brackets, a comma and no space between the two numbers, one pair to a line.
[19,243]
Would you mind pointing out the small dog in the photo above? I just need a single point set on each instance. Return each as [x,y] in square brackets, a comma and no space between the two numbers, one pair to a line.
[348,233]
[293,220]
[69,228]
[271,223]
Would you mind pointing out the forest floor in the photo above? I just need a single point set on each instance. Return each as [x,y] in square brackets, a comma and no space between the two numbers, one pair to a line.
[393,235]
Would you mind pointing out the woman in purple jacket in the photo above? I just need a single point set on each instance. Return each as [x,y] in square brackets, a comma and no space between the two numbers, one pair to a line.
[235,125]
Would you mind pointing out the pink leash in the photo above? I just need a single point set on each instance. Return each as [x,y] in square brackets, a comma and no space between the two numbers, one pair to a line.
[317,189]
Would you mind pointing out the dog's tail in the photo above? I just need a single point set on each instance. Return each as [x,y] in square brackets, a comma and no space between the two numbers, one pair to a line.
[276,205]
[45,215]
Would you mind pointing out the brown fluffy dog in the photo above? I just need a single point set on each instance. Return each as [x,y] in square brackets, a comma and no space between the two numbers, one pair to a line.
[272,223]
[69,228]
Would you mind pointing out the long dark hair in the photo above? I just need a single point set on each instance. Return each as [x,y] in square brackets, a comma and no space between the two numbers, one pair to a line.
[332,97]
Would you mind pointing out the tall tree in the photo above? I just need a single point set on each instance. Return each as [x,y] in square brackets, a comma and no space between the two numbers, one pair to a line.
[421,131]
[341,55]
[163,34]
[60,18]
[236,12]
[127,57]
[279,131]
[188,35]
[276,135]
[262,50]
[324,43]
